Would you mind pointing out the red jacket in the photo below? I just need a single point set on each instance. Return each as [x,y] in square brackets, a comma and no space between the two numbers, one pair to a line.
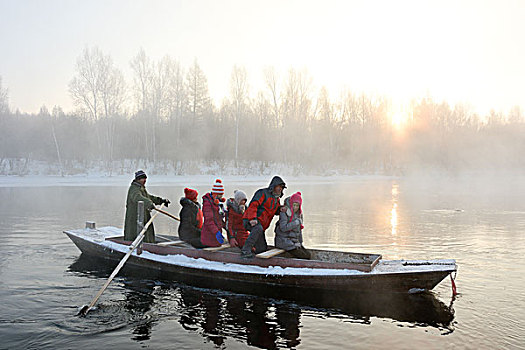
[235,224]
[264,206]
[213,221]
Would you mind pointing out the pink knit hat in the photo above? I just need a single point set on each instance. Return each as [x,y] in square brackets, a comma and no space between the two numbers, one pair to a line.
[217,188]
[296,198]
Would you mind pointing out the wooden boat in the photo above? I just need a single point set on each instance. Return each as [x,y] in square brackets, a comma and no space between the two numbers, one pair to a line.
[327,270]
[421,309]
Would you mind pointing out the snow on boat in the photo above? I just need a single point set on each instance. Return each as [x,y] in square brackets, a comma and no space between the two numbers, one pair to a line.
[327,270]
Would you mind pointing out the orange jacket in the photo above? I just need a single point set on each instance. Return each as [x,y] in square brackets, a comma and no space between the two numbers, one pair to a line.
[264,205]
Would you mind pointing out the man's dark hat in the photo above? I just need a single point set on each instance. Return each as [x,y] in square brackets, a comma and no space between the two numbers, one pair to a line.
[276,181]
[140,175]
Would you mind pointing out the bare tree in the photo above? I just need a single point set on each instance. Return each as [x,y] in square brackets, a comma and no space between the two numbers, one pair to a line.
[86,85]
[239,95]
[198,96]
[112,92]
[160,97]
[143,78]
[178,97]
[4,99]
[57,113]
[143,82]
[296,110]
[516,115]
[324,113]
[98,88]
[297,101]
[271,83]
[112,96]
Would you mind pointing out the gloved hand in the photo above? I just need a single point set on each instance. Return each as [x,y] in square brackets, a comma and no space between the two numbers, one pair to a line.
[166,202]
[302,227]
[233,242]
[219,237]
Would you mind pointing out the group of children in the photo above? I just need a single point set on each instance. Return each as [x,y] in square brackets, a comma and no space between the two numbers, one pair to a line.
[202,226]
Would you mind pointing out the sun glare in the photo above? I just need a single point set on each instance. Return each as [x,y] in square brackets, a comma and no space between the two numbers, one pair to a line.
[399,115]
[397,119]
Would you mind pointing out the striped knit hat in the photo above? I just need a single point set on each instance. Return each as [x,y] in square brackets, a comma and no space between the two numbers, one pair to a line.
[140,174]
[217,188]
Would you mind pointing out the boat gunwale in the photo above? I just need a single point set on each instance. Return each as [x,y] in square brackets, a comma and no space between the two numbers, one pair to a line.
[235,258]
[387,281]
[283,262]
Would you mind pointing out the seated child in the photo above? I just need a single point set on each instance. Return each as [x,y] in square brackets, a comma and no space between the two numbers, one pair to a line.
[190,219]
[289,228]
[211,234]
[237,234]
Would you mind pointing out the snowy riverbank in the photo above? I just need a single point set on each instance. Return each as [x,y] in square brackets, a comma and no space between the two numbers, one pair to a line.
[162,180]
[31,173]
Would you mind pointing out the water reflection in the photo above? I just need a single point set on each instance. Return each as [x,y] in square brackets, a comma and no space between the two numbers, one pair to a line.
[393,212]
[257,321]
[138,302]
[393,219]
[268,321]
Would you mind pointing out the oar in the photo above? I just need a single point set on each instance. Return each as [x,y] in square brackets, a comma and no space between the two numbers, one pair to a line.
[166,213]
[85,309]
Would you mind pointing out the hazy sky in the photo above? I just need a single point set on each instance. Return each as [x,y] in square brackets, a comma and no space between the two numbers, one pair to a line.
[469,51]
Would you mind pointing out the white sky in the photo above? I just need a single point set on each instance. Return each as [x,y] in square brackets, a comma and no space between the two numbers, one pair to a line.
[461,51]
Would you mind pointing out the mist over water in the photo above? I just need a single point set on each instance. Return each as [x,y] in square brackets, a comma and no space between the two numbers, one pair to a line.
[402,124]
[477,221]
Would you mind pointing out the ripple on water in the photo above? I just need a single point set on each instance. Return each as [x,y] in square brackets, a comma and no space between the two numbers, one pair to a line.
[103,318]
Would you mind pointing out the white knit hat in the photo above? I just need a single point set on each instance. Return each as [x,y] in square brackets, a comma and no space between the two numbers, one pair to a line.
[238,196]
[217,188]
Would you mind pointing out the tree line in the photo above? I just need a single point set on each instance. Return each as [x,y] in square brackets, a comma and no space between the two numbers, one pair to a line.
[165,116]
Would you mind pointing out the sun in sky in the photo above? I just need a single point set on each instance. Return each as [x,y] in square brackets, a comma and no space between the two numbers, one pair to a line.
[399,116]
[398,119]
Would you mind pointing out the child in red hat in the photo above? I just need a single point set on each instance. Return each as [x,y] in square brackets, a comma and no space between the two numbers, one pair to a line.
[191,219]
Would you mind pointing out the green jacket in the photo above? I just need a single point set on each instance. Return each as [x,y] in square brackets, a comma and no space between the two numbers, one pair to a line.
[137,193]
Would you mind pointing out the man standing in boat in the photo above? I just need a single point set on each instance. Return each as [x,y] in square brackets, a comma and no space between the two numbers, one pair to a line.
[264,205]
[137,192]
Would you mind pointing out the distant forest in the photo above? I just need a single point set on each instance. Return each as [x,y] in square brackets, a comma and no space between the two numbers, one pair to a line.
[165,116]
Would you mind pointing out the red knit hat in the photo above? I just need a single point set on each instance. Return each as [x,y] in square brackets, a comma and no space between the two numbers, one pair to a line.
[217,188]
[190,194]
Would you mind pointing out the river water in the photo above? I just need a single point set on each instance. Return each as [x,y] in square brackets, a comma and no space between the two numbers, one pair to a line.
[480,222]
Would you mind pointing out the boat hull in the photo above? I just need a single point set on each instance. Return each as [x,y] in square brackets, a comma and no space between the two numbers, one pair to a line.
[402,281]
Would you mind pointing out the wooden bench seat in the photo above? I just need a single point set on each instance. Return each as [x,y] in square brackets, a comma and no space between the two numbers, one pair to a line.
[163,244]
[270,253]
[214,249]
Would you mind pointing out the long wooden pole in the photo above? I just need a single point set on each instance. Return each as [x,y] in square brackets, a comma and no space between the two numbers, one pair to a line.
[132,247]
[166,213]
